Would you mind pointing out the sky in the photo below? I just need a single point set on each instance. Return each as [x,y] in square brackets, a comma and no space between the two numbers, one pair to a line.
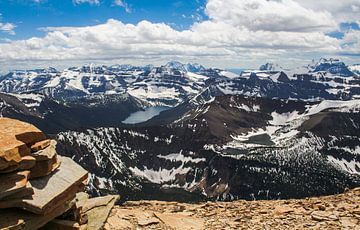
[215,33]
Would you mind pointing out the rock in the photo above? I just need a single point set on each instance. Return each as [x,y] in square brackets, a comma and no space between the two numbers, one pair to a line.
[40,145]
[22,131]
[57,188]
[118,224]
[348,222]
[46,161]
[323,216]
[98,210]
[30,221]
[12,200]
[62,225]
[45,167]
[15,138]
[46,153]
[26,163]
[11,150]
[281,210]
[180,222]
[148,221]
[13,183]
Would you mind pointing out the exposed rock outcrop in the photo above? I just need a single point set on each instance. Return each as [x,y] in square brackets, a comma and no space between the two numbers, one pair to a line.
[329,212]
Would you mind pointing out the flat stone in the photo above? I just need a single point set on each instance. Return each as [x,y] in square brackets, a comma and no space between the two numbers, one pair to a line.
[20,219]
[40,145]
[15,138]
[97,210]
[26,163]
[180,222]
[7,202]
[62,225]
[281,210]
[323,216]
[13,183]
[56,188]
[22,131]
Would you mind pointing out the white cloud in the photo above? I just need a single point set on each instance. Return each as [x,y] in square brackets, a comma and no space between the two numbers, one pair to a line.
[238,32]
[91,2]
[342,11]
[7,28]
[123,4]
[282,15]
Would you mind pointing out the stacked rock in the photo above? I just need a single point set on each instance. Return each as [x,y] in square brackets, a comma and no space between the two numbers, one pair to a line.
[37,185]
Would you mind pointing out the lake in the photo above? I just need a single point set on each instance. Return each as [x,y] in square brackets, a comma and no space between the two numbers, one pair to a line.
[145,115]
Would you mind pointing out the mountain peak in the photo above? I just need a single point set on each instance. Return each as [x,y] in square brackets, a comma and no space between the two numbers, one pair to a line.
[270,67]
[333,66]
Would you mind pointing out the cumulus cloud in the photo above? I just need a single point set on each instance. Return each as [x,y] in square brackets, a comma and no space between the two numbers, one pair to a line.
[342,11]
[238,32]
[282,15]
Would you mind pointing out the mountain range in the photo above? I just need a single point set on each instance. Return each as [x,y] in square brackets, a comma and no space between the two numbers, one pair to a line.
[257,134]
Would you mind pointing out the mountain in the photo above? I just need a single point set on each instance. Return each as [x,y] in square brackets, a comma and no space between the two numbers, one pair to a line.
[175,83]
[333,66]
[255,135]
[232,147]
[56,116]
[355,69]
[270,67]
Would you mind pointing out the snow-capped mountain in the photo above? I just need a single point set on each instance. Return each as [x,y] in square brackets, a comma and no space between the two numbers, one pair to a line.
[174,82]
[257,134]
[355,69]
[231,147]
[271,67]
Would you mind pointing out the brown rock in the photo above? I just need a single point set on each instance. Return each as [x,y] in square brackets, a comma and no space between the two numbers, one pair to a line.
[15,138]
[57,188]
[281,210]
[45,167]
[12,200]
[22,131]
[26,163]
[46,161]
[180,222]
[24,220]
[98,210]
[61,225]
[323,216]
[13,183]
[40,145]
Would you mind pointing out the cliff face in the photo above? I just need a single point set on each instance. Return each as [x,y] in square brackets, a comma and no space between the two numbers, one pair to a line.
[329,212]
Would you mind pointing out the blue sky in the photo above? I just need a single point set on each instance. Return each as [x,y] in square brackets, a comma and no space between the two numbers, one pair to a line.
[219,33]
[29,15]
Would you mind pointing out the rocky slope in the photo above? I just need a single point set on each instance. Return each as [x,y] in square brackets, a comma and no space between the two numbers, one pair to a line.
[232,147]
[330,212]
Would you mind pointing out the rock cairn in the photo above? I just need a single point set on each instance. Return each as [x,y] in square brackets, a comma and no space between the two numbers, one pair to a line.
[39,188]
